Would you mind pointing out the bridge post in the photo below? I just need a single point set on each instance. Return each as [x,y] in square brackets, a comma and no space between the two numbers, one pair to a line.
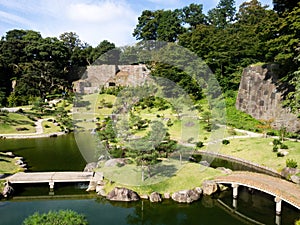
[234,195]
[51,184]
[235,190]
[278,205]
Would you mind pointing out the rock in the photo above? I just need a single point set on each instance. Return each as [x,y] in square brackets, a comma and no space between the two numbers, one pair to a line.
[122,194]
[209,187]
[102,193]
[9,154]
[144,196]
[187,196]
[7,190]
[295,179]
[155,197]
[90,167]
[225,170]
[283,152]
[114,162]
[19,162]
[204,163]
[167,195]
[288,172]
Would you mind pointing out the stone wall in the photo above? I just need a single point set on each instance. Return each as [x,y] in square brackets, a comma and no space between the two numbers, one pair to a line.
[260,96]
[97,76]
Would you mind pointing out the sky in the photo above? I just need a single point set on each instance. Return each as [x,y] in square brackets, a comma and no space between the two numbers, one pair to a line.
[93,20]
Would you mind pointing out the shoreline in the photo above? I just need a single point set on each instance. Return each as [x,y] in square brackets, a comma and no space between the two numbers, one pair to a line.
[30,135]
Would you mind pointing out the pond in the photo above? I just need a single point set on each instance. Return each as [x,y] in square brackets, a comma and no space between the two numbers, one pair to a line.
[62,154]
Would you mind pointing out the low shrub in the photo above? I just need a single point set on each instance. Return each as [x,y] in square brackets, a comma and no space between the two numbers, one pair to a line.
[62,217]
[199,144]
[225,142]
[283,146]
[291,163]
[275,148]
[276,142]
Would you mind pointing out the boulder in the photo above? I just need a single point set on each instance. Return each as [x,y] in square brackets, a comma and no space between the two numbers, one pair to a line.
[167,195]
[295,179]
[144,196]
[187,196]
[123,195]
[90,167]
[115,162]
[289,172]
[204,163]
[155,197]
[7,190]
[209,187]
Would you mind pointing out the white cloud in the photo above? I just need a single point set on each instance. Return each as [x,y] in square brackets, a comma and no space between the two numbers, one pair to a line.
[12,19]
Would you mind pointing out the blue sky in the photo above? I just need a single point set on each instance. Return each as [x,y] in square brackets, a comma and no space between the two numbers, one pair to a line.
[92,20]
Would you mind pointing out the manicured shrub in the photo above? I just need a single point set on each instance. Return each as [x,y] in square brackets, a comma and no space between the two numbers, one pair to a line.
[280,154]
[62,217]
[275,148]
[199,144]
[225,142]
[283,146]
[291,163]
[276,142]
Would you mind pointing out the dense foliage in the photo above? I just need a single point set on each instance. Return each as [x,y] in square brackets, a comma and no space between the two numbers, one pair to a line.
[226,38]
[32,66]
[229,39]
[62,217]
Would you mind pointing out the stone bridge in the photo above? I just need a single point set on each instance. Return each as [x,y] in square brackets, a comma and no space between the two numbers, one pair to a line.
[281,189]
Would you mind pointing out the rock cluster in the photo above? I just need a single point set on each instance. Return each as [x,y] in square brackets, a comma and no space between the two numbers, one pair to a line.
[187,196]
[122,194]
[7,190]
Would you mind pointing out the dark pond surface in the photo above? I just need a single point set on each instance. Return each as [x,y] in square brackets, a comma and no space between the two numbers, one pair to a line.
[47,154]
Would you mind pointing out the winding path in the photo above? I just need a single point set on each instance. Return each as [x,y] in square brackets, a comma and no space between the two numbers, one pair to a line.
[277,187]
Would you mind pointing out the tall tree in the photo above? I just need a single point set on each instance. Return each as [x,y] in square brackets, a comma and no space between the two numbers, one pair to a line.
[282,6]
[223,14]
[192,15]
[160,25]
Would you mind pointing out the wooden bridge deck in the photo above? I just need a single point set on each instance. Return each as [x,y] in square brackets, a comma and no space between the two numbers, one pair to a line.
[47,177]
[277,187]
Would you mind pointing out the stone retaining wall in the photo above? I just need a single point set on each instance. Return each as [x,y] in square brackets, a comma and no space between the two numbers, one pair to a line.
[260,96]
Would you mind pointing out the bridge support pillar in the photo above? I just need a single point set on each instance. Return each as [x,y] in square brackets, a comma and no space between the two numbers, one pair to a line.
[51,184]
[235,190]
[234,195]
[278,205]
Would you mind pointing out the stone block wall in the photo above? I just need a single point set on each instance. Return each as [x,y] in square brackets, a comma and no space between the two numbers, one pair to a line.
[260,96]
[97,76]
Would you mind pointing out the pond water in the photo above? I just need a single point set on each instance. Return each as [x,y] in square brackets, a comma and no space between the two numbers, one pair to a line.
[61,154]
[47,154]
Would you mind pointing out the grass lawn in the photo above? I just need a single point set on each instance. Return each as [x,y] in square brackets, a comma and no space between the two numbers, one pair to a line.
[11,121]
[7,165]
[259,150]
[188,176]
[49,127]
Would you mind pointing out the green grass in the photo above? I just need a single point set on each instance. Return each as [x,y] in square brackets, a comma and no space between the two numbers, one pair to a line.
[49,127]
[11,121]
[7,165]
[189,176]
[259,150]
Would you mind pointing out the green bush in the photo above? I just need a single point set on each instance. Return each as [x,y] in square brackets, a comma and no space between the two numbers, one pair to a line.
[225,142]
[199,144]
[280,154]
[275,148]
[283,146]
[62,217]
[276,142]
[291,163]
